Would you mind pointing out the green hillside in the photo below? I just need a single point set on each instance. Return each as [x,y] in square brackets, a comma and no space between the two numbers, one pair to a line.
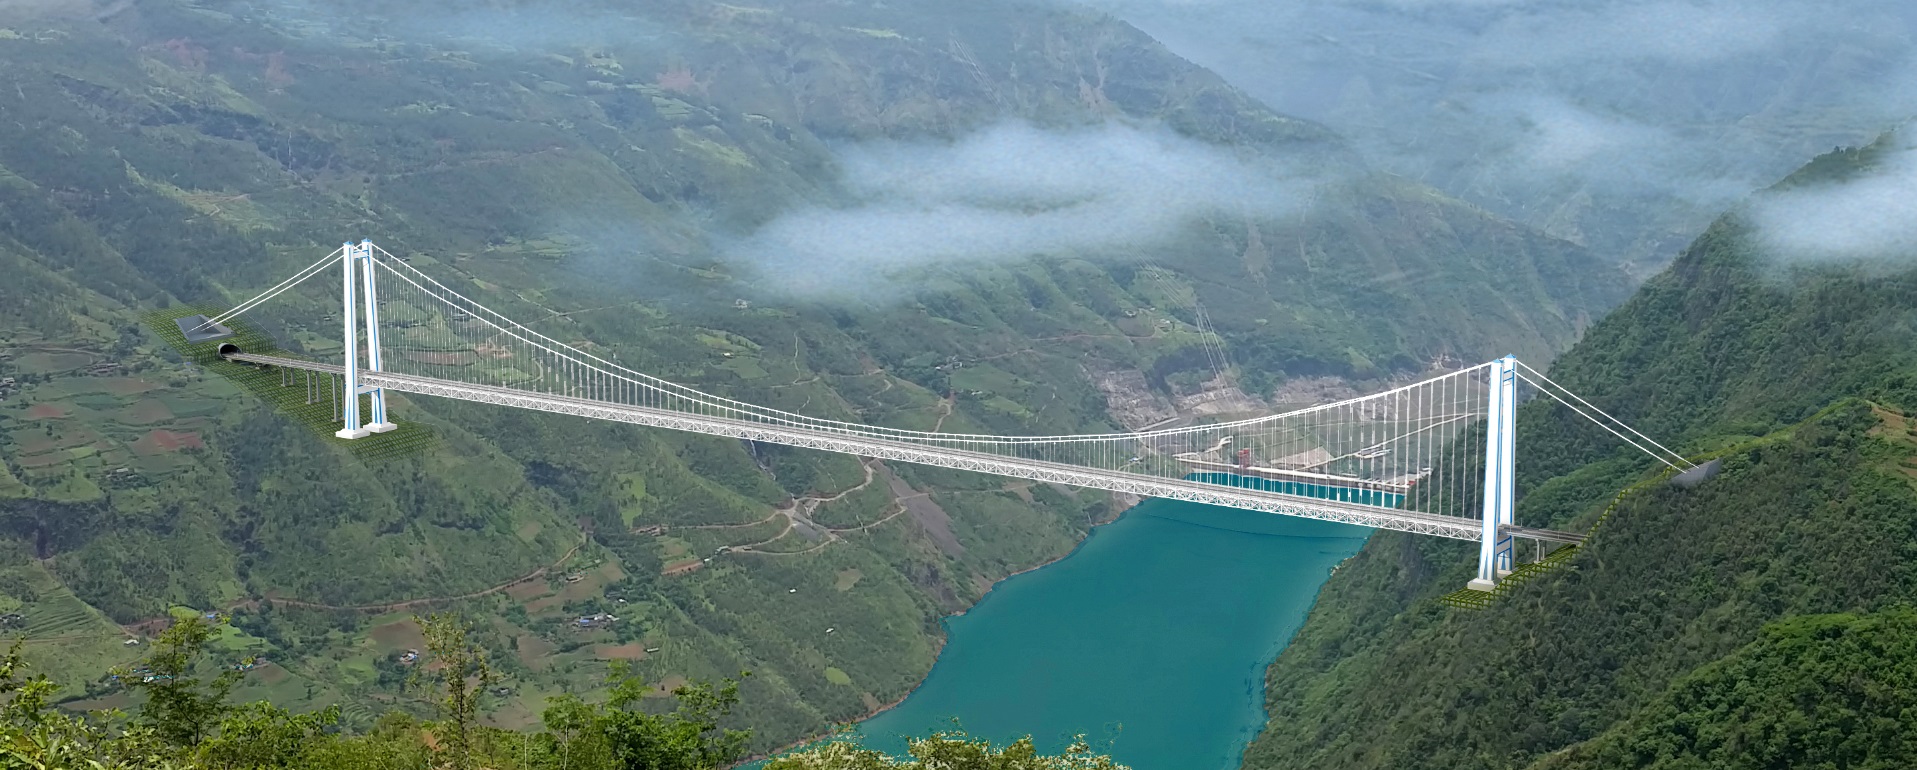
[1806,374]
[1814,691]
[165,154]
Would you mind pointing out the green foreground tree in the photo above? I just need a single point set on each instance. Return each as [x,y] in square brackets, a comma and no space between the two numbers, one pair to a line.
[463,675]
[621,734]
[33,734]
[185,722]
[181,708]
[263,735]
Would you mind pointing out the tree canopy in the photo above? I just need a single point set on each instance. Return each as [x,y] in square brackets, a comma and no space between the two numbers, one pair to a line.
[185,721]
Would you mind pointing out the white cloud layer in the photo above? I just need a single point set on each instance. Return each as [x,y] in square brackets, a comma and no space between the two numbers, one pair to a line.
[1013,191]
[1679,31]
[1627,123]
[1872,218]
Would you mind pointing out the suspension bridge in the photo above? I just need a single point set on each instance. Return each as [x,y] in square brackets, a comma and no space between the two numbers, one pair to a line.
[1436,457]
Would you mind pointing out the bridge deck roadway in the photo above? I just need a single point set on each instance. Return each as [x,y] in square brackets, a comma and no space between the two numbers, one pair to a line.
[846,443]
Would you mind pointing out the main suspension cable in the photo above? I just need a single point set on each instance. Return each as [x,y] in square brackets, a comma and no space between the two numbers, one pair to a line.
[576,356]
[289,283]
[1601,424]
[1626,426]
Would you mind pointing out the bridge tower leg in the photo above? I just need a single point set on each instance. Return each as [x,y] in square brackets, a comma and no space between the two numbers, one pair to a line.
[1500,479]
[349,311]
[380,424]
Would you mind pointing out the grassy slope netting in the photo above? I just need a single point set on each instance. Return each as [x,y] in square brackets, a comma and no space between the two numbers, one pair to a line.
[1466,598]
[320,415]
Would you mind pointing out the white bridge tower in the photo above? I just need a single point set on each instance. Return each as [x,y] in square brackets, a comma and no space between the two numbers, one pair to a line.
[360,259]
[1500,464]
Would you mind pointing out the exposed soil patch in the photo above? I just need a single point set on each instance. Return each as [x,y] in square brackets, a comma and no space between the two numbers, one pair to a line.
[515,715]
[667,685]
[527,591]
[54,360]
[808,530]
[593,583]
[1307,391]
[271,674]
[161,441]
[1130,400]
[1217,397]
[630,651]
[847,579]
[933,519]
[46,412]
[1894,425]
[146,412]
[532,649]
[77,438]
[127,386]
[42,461]
[1022,488]
[394,637]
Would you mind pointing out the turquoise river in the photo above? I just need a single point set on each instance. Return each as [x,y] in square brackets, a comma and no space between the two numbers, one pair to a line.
[1151,639]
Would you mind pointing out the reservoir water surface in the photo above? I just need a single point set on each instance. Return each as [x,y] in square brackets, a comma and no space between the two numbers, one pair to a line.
[1151,639]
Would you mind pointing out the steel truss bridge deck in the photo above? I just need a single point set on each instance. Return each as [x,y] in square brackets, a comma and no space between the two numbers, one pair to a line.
[1035,470]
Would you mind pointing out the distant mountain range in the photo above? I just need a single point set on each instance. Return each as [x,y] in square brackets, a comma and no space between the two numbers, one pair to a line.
[1623,125]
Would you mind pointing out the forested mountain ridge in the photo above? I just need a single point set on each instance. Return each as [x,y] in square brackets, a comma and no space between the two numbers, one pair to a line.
[1749,708]
[1805,373]
[163,152]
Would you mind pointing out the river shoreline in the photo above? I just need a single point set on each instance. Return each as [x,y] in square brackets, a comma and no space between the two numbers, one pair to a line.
[939,641]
